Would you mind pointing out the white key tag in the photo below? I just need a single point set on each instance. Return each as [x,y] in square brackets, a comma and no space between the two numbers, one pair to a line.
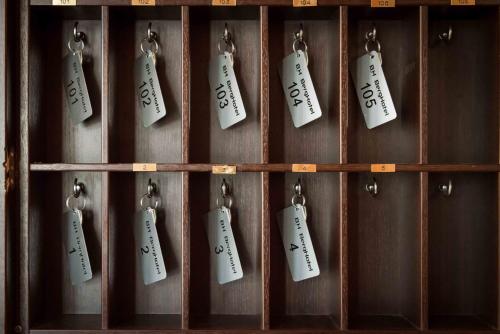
[297,84]
[146,238]
[75,247]
[371,87]
[224,90]
[224,258]
[297,242]
[147,85]
[75,86]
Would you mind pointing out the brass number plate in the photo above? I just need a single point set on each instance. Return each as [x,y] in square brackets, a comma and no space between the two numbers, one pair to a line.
[141,167]
[463,2]
[223,2]
[63,2]
[383,168]
[143,2]
[225,169]
[305,3]
[383,3]
[304,168]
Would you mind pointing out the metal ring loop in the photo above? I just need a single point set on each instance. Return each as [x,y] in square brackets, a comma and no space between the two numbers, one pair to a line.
[299,43]
[374,42]
[446,36]
[152,202]
[75,203]
[295,200]
[76,46]
[153,46]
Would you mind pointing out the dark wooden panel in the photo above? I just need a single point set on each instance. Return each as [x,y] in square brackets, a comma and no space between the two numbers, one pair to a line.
[317,141]
[463,253]
[52,297]
[129,139]
[133,303]
[241,142]
[236,304]
[53,136]
[463,86]
[384,252]
[397,32]
[317,300]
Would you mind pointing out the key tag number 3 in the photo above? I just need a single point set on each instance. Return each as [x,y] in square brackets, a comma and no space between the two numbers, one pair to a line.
[371,87]
[296,239]
[76,248]
[146,238]
[297,84]
[224,90]
[148,91]
[75,87]
[224,258]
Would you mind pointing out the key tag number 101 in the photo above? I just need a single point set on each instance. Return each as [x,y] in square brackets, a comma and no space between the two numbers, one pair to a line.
[371,87]
[224,90]
[299,249]
[146,238]
[148,91]
[297,84]
[75,246]
[75,87]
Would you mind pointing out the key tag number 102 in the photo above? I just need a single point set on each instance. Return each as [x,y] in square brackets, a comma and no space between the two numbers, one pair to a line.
[75,86]
[297,84]
[371,87]
[148,91]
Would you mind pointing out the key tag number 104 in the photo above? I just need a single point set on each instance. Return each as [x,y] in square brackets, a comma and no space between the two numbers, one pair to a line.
[224,258]
[75,246]
[299,249]
[146,238]
[371,87]
[297,84]
[75,87]
[147,85]
[224,90]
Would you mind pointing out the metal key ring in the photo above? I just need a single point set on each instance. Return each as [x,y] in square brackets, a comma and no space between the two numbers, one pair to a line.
[76,46]
[76,203]
[152,202]
[226,200]
[153,46]
[374,42]
[300,44]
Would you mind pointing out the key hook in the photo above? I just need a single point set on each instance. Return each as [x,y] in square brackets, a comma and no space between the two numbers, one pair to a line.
[446,189]
[446,36]
[226,199]
[151,34]
[298,197]
[77,188]
[78,35]
[372,188]
[151,189]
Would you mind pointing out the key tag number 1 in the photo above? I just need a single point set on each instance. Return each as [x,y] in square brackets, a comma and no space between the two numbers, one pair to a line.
[75,87]
[75,246]
[148,91]
[224,258]
[146,238]
[371,87]
[224,90]
[297,84]
[296,239]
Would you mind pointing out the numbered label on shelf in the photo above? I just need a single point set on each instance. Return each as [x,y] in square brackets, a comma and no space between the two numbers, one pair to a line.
[224,91]
[148,247]
[223,252]
[143,2]
[76,248]
[299,90]
[372,90]
[148,90]
[75,88]
[305,3]
[383,3]
[463,2]
[223,2]
[297,242]
[63,2]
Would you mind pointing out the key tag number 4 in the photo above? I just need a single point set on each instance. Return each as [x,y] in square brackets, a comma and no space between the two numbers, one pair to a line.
[299,250]
[75,87]
[371,87]
[224,90]
[148,91]
[224,258]
[75,246]
[297,84]
[146,238]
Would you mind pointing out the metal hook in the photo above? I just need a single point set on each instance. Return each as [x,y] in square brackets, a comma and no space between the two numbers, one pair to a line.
[151,189]
[372,188]
[226,199]
[151,34]
[299,35]
[446,36]
[297,188]
[446,188]
[371,35]
[227,35]
[298,41]
[77,188]
[77,35]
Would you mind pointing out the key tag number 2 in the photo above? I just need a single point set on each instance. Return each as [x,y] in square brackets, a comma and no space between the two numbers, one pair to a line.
[296,239]
[75,246]
[371,87]
[148,91]
[297,84]
[224,90]
[146,238]
[75,87]
[224,257]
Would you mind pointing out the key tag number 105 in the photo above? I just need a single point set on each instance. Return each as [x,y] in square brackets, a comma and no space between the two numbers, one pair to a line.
[371,87]
[148,91]
[297,84]
[75,87]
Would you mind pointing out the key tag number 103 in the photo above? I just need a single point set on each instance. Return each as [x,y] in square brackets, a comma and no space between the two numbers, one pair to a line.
[75,86]
[224,90]
[371,87]
[297,84]
[146,238]
[148,91]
